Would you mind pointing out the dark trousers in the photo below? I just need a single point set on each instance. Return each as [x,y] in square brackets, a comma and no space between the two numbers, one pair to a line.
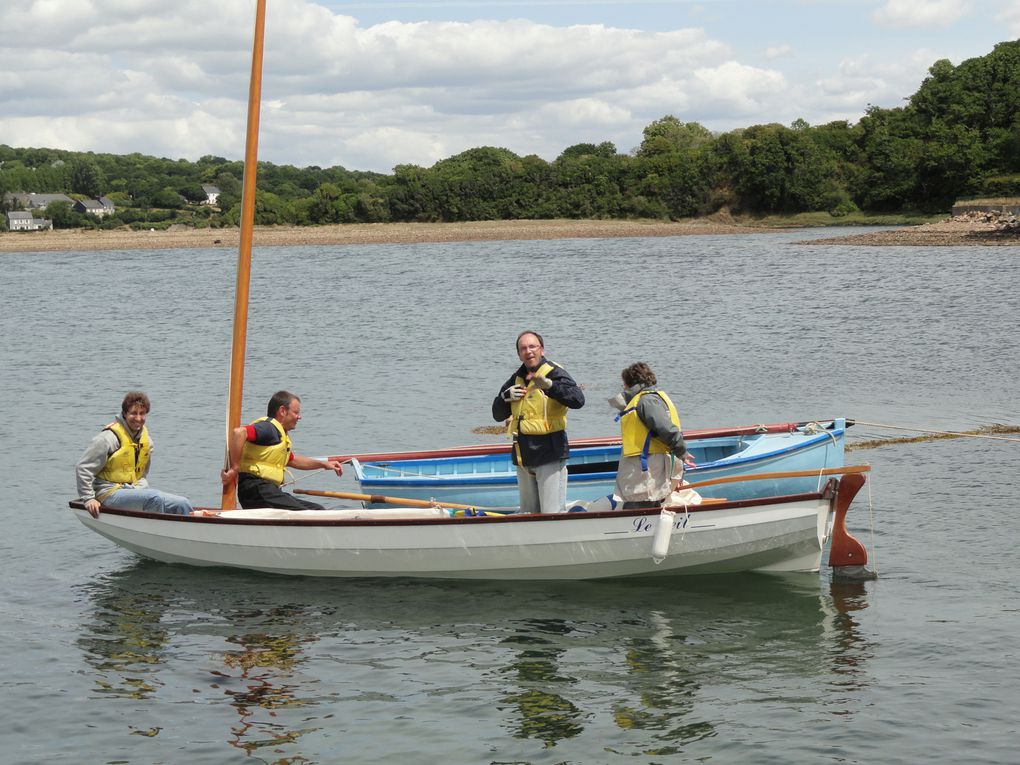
[253,491]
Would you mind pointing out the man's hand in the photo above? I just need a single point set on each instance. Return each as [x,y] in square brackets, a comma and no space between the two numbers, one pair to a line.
[513,393]
[541,382]
[92,505]
[335,465]
[228,476]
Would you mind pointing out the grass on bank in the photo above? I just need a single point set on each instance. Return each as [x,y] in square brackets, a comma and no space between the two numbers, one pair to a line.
[824,219]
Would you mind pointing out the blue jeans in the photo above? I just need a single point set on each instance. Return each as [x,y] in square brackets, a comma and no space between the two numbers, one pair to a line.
[543,488]
[148,500]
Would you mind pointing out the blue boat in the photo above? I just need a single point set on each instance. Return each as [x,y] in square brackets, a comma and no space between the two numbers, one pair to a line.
[485,476]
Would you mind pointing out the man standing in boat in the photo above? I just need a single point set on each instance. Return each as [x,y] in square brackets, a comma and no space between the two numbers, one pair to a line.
[113,468]
[536,399]
[653,453]
[261,452]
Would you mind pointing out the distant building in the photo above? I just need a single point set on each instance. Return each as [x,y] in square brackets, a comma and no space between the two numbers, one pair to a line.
[98,207]
[23,221]
[34,201]
[212,195]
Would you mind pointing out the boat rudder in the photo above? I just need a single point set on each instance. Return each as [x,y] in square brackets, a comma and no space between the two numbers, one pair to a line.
[848,557]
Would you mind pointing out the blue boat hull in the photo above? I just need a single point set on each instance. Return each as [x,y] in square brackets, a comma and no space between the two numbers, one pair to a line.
[491,479]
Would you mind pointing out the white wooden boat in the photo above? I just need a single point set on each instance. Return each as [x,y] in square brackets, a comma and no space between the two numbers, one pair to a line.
[785,532]
[778,534]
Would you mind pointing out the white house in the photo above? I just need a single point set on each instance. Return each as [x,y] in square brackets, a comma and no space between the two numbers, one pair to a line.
[212,194]
[23,221]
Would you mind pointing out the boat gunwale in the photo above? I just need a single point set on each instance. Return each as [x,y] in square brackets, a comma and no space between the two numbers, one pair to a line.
[483,449]
[827,493]
[491,479]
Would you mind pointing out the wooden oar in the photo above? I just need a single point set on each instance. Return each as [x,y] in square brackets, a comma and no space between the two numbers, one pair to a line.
[381,500]
[784,474]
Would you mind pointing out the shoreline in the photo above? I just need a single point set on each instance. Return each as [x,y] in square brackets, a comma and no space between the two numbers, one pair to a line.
[945,233]
[358,233]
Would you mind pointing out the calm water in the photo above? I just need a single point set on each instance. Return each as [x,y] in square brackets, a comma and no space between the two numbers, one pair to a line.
[107,658]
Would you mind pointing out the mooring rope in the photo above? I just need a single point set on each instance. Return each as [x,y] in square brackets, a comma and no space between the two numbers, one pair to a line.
[871,521]
[953,433]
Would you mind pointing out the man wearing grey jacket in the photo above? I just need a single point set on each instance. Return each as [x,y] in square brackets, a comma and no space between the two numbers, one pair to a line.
[113,468]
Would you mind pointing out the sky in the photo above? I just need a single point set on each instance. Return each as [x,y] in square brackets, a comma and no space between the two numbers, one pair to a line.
[372,85]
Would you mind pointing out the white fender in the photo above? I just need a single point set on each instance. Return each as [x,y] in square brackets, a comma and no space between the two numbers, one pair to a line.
[663,533]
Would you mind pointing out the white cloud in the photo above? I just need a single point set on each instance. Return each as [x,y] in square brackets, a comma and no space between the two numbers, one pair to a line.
[921,13]
[171,79]
[778,51]
[1010,16]
[736,89]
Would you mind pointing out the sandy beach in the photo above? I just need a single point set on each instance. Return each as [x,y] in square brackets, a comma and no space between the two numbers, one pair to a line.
[951,232]
[356,233]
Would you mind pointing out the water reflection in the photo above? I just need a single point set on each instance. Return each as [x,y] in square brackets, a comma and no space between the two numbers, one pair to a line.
[543,712]
[643,668]
[265,668]
[849,649]
[125,641]
[138,615]
[669,696]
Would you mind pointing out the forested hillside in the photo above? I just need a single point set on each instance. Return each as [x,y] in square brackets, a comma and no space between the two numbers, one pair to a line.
[958,135]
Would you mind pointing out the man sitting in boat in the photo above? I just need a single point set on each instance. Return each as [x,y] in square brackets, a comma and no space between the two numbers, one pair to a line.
[113,468]
[261,452]
[536,399]
[652,457]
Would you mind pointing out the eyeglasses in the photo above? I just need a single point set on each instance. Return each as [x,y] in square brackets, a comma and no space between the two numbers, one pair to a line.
[529,347]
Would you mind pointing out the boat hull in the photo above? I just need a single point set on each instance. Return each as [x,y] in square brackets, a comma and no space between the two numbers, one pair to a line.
[491,479]
[771,534]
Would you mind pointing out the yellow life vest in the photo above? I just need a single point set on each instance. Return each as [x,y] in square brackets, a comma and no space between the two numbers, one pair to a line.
[536,414]
[267,462]
[129,462]
[637,439]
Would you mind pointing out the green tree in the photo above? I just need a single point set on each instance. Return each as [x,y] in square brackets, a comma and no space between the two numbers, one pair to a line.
[891,158]
[588,181]
[167,199]
[329,204]
[669,134]
[62,216]
[85,177]
[413,196]
[480,184]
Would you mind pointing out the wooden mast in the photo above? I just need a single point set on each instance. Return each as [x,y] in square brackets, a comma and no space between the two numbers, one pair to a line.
[251,150]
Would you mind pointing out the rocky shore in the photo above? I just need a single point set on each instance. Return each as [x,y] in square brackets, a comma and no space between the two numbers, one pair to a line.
[969,229]
[989,228]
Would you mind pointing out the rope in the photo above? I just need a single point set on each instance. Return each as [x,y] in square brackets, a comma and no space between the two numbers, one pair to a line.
[304,474]
[940,432]
[871,519]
